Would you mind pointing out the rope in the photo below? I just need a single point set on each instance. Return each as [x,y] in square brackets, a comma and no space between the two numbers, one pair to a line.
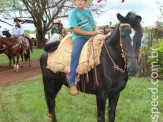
[91,47]
[115,65]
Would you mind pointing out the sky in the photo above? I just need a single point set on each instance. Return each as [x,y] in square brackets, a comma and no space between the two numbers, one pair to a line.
[148,9]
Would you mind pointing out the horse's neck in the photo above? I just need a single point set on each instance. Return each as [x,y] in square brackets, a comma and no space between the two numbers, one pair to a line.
[114,40]
[113,46]
[5,42]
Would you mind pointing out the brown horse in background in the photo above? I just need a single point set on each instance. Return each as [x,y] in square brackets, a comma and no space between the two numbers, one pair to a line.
[14,48]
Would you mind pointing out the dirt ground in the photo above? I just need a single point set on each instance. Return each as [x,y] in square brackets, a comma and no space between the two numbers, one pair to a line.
[8,76]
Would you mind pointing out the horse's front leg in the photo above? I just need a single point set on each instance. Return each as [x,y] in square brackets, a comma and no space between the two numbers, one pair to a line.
[17,63]
[13,58]
[112,106]
[101,102]
[9,60]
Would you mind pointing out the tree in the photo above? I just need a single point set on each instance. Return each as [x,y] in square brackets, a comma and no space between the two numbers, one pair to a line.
[42,13]
[3,8]
[160,6]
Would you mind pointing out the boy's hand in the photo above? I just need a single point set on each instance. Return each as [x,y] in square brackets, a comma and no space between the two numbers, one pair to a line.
[95,32]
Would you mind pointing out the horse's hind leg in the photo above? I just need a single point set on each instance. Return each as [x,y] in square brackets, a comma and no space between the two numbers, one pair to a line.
[9,57]
[51,88]
[112,106]
[101,102]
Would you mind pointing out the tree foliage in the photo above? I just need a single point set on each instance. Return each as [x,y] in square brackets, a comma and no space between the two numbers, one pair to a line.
[160,6]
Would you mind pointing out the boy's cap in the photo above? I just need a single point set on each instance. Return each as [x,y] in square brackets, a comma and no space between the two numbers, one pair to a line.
[87,2]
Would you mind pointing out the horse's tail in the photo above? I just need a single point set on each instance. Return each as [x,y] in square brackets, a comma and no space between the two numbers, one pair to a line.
[30,43]
[49,47]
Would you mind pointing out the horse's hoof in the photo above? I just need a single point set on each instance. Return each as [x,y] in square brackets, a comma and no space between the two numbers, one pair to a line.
[50,116]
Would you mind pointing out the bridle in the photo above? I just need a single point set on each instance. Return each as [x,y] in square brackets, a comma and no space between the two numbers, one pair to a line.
[122,70]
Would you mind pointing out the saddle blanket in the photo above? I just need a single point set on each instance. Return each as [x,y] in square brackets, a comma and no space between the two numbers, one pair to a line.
[22,39]
[59,60]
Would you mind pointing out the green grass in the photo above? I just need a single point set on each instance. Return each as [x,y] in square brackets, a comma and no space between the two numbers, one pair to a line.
[24,102]
[34,56]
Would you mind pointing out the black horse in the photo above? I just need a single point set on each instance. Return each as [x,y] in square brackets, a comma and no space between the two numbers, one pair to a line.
[119,59]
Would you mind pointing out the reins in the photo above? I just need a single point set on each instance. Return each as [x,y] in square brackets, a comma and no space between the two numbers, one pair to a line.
[122,52]
[89,50]
[115,65]
[11,43]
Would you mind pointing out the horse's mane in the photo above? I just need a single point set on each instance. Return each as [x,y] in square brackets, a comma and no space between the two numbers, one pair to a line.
[134,23]
[112,35]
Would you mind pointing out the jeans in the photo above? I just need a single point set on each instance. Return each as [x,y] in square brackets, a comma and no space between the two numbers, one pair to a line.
[76,50]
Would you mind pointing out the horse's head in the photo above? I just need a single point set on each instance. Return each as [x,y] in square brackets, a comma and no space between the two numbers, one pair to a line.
[130,40]
[6,33]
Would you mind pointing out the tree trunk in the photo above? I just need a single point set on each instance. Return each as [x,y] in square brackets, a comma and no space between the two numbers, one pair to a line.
[40,35]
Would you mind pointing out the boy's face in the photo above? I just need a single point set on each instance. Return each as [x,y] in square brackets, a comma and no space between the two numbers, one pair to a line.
[80,4]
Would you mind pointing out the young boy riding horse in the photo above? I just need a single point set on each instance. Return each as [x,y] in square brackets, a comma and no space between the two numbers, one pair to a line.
[83,27]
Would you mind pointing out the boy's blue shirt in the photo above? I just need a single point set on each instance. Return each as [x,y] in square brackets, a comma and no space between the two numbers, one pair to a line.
[81,19]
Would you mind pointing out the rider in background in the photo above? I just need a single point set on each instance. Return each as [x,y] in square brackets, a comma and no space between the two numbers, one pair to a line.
[111,29]
[18,31]
[143,33]
[143,38]
[60,25]
[56,28]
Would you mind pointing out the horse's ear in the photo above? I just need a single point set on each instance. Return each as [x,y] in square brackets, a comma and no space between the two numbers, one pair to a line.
[121,18]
